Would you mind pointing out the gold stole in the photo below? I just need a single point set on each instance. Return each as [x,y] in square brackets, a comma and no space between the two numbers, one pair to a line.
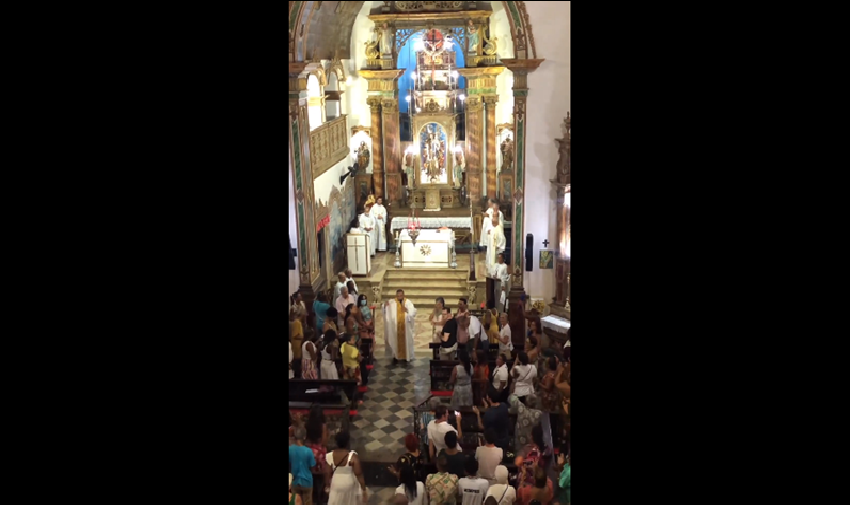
[401,331]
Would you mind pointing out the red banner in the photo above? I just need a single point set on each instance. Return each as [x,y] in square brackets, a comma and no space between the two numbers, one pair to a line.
[322,223]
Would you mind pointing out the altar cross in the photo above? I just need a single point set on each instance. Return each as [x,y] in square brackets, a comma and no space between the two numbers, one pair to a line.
[546,243]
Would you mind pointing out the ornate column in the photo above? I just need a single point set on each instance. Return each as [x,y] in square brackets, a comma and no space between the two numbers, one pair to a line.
[386,155]
[474,134]
[490,140]
[377,146]
[560,304]
[302,176]
[481,88]
[516,310]
[392,149]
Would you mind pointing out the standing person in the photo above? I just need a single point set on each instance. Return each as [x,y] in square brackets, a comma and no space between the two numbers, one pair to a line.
[549,397]
[505,344]
[317,436]
[345,475]
[330,321]
[309,356]
[344,300]
[411,458]
[501,278]
[480,378]
[351,358]
[320,308]
[529,456]
[539,491]
[462,318]
[462,380]
[471,489]
[301,460]
[294,499]
[380,213]
[437,430]
[329,351]
[500,374]
[501,490]
[399,315]
[299,307]
[563,468]
[476,334]
[455,460]
[296,335]
[349,278]
[491,323]
[410,490]
[291,373]
[341,282]
[367,224]
[448,337]
[486,225]
[524,374]
[442,486]
[351,288]
[363,317]
[436,317]
[489,457]
[496,418]
[495,245]
[532,349]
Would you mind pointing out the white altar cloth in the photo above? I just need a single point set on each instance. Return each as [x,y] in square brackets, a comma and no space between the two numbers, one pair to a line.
[400,223]
[432,249]
[556,324]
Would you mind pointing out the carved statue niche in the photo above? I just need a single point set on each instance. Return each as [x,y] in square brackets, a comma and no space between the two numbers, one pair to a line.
[472,32]
[363,156]
[507,149]
[564,153]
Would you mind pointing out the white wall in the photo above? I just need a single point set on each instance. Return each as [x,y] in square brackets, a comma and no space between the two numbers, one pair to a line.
[547,106]
[293,234]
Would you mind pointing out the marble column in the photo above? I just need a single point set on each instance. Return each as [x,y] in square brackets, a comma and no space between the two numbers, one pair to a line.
[490,141]
[516,311]
[377,146]
[392,149]
[474,134]
[302,176]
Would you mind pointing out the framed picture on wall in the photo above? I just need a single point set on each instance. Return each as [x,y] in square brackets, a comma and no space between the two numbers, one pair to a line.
[547,259]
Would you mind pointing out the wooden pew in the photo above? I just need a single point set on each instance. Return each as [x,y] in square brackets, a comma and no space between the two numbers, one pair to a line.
[331,392]
[493,350]
[441,371]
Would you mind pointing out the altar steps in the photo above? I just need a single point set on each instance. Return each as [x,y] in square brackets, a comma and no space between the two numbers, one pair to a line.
[423,286]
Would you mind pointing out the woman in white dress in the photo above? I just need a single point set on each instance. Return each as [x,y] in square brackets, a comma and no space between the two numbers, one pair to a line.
[347,486]
[329,351]
[524,375]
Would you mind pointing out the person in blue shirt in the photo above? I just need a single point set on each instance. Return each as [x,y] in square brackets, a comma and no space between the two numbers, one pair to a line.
[301,460]
[320,308]
[496,417]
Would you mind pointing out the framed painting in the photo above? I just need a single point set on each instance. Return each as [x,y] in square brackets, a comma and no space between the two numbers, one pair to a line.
[547,259]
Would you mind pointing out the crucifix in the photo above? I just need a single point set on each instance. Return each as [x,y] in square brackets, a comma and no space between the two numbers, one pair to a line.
[546,243]
[432,40]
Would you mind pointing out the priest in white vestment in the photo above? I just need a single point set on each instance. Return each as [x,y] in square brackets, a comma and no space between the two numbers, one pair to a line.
[367,224]
[399,314]
[487,224]
[500,277]
[495,243]
[380,214]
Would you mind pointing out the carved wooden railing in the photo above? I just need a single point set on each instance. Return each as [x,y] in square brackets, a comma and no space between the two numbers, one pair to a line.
[328,145]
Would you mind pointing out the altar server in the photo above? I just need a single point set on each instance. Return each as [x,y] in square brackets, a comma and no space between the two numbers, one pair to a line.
[341,283]
[380,214]
[399,314]
[487,224]
[367,224]
[500,277]
[495,243]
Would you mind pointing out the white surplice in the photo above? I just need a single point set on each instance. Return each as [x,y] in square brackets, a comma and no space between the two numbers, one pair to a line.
[367,224]
[500,277]
[495,245]
[379,212]
[391,328]
[488,225]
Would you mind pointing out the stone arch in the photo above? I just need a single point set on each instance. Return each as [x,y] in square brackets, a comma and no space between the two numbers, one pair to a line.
[336,68]
[327,27]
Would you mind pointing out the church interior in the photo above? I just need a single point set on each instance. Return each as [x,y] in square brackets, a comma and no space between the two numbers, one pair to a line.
[407,122]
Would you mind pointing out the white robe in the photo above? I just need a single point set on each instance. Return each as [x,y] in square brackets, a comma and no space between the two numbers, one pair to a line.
[488,225]
[495,245]
[500,277]
[391,328]
[379,212]
[369,222]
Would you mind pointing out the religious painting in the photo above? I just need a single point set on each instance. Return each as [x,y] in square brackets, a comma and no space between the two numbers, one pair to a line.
[433,150]
[547,259]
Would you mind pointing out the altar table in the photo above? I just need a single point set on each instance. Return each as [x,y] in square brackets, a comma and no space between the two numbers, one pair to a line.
[432,249]
[400,223]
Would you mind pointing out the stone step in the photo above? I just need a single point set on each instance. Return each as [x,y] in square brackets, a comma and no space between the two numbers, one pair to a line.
[423,283]
[433,292]
[427,302]
[409,274]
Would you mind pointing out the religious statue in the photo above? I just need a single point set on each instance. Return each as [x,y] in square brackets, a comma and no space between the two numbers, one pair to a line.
[520,44]
[507,155]
[564,153]
[460,163]
[386,40]
[363,156]
[408,167]
[473,38]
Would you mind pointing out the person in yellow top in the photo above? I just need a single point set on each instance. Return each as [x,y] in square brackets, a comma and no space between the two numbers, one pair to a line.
[296,336]
[351,358]
[491,320]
